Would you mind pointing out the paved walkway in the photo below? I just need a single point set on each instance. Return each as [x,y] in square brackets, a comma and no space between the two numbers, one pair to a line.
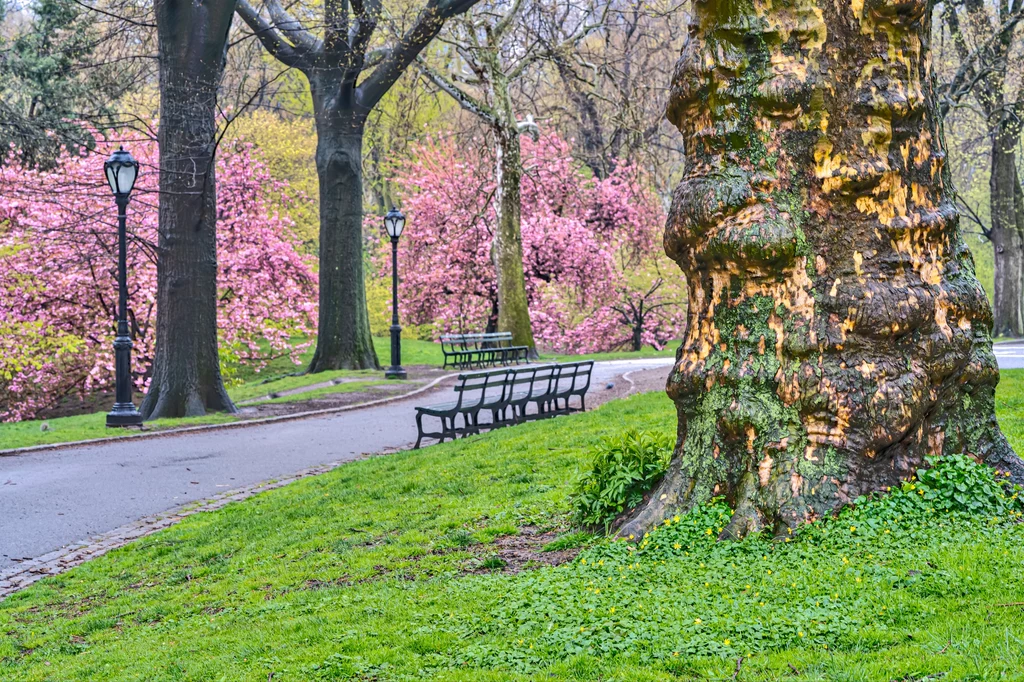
[52,499]
[1010,354]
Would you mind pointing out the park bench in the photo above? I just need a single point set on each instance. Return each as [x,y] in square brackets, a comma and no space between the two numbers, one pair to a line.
[505,397]
[466,351]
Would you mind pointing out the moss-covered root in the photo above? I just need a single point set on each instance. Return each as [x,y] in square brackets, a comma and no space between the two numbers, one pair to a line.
[837,333]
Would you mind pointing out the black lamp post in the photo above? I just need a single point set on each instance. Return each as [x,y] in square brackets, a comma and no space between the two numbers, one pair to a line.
[394,223]
[121,170]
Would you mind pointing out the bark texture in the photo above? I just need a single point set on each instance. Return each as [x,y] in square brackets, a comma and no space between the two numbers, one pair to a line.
[837,333]
[186,369]
[343,329]
[1007,236]
[507,247]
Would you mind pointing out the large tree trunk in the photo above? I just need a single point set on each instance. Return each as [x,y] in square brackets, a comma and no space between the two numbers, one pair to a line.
[836,332]
[343,331]
[186,370]
[1007,240]
[507,246]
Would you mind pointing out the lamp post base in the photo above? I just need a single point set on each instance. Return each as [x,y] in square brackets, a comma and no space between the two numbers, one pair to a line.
[394,372]
[123,415]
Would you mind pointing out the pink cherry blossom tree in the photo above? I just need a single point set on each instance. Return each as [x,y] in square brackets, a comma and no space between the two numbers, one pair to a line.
[587,244]
[58,286]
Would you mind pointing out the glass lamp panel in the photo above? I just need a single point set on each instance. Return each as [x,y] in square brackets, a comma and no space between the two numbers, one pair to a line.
[111,173]
[126,177]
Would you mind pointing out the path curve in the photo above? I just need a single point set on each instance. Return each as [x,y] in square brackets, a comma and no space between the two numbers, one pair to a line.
[54,499]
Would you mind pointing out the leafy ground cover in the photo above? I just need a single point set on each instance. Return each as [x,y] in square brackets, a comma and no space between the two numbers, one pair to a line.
[396,568]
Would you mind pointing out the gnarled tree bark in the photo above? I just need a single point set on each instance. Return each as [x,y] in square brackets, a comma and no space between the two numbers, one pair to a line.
[837,332]
[186,368]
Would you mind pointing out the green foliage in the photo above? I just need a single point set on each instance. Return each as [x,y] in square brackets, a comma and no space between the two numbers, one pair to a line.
[954,484]
[958,483]
[569,541]
[53,84]
[625,467]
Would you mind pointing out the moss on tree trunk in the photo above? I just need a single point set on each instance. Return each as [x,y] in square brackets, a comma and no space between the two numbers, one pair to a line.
[837,333]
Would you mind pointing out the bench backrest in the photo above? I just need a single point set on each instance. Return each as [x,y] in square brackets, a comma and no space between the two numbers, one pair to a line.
[574,378]
[498,386]
[476,388]
[476,341]
[533,381]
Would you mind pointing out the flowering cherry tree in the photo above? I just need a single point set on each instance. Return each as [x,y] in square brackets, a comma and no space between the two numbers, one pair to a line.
[58,275]
[584,243]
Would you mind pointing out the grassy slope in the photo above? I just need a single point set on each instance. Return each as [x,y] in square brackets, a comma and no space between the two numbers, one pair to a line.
[357,574]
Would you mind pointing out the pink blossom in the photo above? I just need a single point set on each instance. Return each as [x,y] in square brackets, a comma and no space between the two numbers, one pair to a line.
[582,238]
[58,286]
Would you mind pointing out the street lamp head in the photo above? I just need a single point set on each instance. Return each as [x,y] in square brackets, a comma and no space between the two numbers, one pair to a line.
[121,170]
[394,223]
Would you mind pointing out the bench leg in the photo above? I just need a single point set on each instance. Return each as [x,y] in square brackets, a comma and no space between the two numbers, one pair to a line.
[419,430]
[472,424]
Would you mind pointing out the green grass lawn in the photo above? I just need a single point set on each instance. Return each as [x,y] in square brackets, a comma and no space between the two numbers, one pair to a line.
[348,387]
[259,389]
[414,352]
[364,573]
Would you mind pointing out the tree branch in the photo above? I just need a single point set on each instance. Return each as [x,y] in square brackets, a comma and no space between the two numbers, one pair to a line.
[275,44]
[291,27]
[464,99]
[399,58]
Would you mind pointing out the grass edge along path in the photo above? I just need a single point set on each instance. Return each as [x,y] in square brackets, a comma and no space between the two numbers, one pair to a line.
[377,570]
[277,377]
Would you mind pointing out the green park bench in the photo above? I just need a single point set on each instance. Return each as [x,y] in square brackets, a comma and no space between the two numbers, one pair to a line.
[465,351]
[505,397]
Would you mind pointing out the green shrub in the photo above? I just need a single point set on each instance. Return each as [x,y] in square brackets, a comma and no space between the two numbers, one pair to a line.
[625,467]
[958,483]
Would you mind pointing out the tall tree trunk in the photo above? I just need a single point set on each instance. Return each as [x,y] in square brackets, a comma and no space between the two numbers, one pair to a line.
[186,370]
[343,331]
[344,89]
[836,332]
[507,247]
[1007,239]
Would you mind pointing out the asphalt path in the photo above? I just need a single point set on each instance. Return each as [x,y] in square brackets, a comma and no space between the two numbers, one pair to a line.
[50,499]
[1010,354]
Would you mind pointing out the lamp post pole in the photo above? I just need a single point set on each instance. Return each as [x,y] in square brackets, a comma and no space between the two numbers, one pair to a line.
[124,412]
[395,371]
[394,224]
